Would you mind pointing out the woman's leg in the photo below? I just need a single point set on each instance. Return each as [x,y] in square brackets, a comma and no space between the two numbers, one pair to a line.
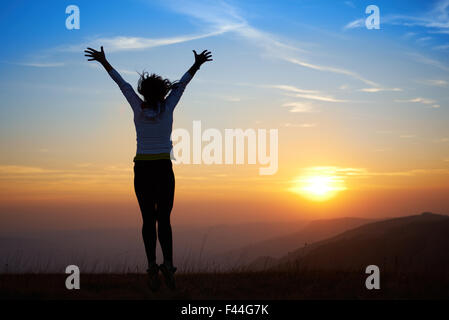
[164,204]
[144,188]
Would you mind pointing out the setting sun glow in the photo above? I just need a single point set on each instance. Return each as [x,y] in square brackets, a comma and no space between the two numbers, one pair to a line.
[318,187]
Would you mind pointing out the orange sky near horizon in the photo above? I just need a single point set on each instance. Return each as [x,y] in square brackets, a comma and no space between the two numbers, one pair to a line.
[102,197]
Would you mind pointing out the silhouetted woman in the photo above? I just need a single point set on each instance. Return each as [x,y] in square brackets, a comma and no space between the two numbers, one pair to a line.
[154,181]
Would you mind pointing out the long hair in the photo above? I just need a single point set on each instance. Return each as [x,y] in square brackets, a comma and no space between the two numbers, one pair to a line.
[153,88]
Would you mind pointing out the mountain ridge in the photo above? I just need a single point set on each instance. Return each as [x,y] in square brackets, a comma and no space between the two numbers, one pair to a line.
[410,243]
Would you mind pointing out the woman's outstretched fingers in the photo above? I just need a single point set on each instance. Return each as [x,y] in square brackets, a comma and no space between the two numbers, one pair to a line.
[203,57]
[94,54]
[208,56]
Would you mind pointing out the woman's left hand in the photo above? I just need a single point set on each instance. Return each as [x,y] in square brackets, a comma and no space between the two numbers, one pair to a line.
[202,57]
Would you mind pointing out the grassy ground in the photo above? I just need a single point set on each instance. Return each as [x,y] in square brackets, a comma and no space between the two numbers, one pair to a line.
[237,285]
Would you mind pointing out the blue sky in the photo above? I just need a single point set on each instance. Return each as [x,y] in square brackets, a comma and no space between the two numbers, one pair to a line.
[340,94]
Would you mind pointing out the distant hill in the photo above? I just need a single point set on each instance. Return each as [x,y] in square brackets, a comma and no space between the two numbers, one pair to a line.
[216,239]
[121,249]
[276,247]
[417,243]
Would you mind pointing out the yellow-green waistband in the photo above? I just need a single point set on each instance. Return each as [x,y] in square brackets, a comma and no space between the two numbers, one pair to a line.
[152,156]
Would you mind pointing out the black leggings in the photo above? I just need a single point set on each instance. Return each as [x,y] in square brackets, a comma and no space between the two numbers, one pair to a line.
[154,184]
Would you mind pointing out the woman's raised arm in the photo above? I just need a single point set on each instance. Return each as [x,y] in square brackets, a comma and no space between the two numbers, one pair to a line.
[125,87]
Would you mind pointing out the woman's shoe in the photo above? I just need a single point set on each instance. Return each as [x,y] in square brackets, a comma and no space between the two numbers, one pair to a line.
[153,274]
[169,276]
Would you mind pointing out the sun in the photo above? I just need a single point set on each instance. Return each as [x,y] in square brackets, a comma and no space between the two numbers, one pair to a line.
[320,187]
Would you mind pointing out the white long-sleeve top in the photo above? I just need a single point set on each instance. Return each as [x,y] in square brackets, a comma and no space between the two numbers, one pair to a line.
[153,131]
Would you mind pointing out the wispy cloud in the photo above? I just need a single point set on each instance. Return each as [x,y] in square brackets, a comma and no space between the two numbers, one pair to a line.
[333,70]
[305,94]
[424,39]
[358,23]
[291,88]
[439,31]
[364,172]
[417,100]
[428,61]
[436,19]
[220,18]
[221,14]
[15,169]
[430,102]
[299,107]
[42,64]
[122,43]
[379,89]
[318,97]
[435,82]
[78,174]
